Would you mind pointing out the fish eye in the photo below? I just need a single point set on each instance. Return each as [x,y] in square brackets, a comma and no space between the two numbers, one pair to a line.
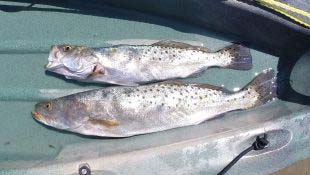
[49,106]
[66,48]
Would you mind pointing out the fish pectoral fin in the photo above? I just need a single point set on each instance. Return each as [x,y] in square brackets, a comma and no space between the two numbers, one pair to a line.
[107,123]
[93,75]
[180,45]
[98,69]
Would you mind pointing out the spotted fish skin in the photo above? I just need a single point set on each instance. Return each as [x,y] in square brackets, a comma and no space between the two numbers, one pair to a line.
[127,111]
[135,64]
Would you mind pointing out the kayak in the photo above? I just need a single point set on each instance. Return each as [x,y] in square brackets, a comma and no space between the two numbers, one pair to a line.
[27,147]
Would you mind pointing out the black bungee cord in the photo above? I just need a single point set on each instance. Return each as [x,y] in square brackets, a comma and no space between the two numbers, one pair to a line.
[259,144]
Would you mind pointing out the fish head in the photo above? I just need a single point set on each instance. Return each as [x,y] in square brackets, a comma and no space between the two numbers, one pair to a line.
[74,62]
[61,113]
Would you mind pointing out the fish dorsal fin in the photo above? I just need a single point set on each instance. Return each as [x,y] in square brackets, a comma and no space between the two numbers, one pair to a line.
[108,123]
[203,49]
[169,43]
[175,44]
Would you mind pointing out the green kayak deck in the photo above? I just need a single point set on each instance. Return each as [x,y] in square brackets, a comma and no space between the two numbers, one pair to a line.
[26,37]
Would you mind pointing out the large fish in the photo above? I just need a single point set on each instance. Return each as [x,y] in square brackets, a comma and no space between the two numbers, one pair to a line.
[135,64]
[126,111]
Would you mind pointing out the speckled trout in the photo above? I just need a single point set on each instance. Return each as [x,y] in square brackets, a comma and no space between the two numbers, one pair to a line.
[131,65]
[126,111]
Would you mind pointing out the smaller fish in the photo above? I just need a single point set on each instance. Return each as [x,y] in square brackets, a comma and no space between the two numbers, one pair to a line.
[126,111]
[131,65]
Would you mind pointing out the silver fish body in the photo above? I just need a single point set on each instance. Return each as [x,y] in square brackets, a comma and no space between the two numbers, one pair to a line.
[134,64]
[127,111]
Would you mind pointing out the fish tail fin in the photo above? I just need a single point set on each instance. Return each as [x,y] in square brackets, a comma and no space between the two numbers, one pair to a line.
[240,57]
[262,87]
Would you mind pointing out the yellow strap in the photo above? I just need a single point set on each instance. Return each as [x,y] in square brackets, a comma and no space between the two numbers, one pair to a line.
[285,6]
[276,8]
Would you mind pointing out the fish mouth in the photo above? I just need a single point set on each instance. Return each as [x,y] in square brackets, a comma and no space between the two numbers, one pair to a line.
[53,61]
[37,116]
[46,66]
[54,50]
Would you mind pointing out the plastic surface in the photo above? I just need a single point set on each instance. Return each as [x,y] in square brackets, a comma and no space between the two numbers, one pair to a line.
[27,147]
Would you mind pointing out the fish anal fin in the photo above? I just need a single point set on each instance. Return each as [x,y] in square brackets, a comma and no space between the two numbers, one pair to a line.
[180,45]
[108,123]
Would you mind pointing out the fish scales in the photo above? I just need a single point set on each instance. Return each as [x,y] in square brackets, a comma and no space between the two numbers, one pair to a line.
[135,64]
[152,107]
[126,111]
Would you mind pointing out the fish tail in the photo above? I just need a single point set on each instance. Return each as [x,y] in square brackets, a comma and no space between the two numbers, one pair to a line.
[262,87]
[240,57]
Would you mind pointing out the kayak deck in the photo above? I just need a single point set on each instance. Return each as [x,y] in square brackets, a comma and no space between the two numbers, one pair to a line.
[25,143]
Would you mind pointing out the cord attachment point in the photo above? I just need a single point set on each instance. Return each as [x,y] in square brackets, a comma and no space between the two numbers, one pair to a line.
[261,142]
